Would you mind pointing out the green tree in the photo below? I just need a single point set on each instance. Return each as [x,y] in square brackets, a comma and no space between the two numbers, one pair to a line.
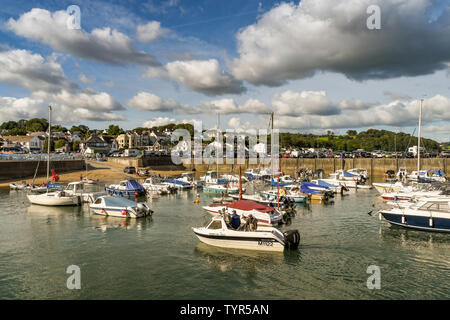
[52,146]
[76,146]
[114,130]
[60,143]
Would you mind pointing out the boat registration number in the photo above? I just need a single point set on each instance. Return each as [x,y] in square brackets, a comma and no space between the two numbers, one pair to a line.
[265,243]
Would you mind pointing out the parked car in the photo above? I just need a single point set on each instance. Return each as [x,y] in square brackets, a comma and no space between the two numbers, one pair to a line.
[445,154]
[129,170]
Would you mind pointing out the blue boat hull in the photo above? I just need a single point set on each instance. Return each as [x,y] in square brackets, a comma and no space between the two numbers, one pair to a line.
[418,222]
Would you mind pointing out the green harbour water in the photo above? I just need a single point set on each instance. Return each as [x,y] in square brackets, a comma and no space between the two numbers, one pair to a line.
[160,257]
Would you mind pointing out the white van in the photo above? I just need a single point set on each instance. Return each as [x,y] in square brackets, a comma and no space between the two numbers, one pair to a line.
[131,153]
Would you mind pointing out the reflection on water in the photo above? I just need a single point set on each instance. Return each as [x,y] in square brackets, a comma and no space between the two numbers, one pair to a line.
[338,242]
[225,259]
[103,223]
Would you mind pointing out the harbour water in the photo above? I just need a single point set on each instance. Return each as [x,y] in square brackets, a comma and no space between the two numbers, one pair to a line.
[160,258]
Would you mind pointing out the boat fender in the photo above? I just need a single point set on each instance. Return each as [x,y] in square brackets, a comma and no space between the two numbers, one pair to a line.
[380,216]
[431,223]
[404,221]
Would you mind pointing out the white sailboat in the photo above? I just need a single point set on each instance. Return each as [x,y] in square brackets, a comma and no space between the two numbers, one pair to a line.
[57,198]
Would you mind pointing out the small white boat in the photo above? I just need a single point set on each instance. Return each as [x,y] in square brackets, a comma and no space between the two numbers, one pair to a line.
[120,207]
[339,182]
[388,187]
[290,192]
[22,186]
[57,198]
[154,186]
[189,178]
[428,214]
[220,188]
[89,181]
[78,189]
[218,234]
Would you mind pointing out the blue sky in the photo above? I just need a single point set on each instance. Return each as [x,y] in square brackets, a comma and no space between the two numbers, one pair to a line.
[316,65]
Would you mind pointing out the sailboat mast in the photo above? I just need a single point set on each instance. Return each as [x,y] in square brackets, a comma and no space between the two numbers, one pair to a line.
[49,138]
[217,150]
[271,139]
[419,136]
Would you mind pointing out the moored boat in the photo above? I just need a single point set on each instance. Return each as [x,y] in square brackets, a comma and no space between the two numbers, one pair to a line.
[428,214]
[129,188]
[117,206]
[218,233]
[56,198]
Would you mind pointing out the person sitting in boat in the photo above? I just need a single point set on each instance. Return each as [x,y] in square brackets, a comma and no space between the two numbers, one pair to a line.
[250,224]
[235,220]
[253,223]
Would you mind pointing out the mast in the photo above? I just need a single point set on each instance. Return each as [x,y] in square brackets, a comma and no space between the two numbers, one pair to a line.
[419,136]
[217,149]
[240,184]
[49,138]
[271,146]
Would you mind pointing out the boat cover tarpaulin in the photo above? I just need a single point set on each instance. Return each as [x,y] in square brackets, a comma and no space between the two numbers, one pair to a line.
[305,189]
[133,185]
[325,184]
[310,184]
[438,172]
[249,205]
[118,202]
[181,183]
[348,174]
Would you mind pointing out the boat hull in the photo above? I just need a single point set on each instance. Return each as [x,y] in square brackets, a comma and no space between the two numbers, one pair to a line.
[417,222]
[248,243]
[44,200]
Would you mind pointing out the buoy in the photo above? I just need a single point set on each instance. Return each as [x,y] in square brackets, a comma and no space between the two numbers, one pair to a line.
[124,212]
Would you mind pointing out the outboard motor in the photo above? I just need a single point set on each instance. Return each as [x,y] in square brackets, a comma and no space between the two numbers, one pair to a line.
[291,239]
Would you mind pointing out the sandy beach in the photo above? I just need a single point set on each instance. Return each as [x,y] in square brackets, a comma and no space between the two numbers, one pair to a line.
[101,171]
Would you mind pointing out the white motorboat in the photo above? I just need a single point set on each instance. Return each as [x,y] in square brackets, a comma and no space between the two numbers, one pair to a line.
[388,187]
[22,186]
[293,193]
[428,214]
[78,189]
[217,233]
[189,178]
[57,198]
[266,216]
[116,206]
[340,182]
[363,173]
[427,176]
[154,186]
[89,181]
[221,189]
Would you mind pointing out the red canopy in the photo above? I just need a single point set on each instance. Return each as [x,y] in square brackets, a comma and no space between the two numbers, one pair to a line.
[249,205]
